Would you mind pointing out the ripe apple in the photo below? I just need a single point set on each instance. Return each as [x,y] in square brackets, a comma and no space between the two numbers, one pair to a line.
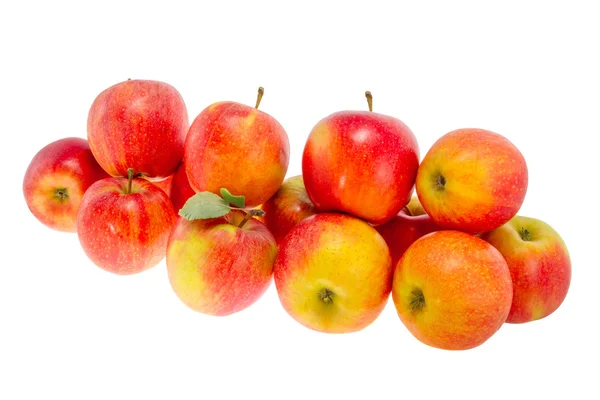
[402,230]
[165,185]
[222,265]
[180,190]
[238,147]
[138,124]
[123,225]
[472,180]
[287,208]
[333,273]
[361,163]
[56,179]
[539,265]
[452,290]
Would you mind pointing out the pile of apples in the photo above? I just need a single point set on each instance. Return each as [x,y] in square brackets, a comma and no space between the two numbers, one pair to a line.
[211,197]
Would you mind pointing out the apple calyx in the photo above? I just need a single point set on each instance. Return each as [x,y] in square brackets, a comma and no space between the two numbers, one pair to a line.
[525,235]
[61,194]
[369,97]
[417,300]
[261,92]
[129,180]
[440,182]
[326,296]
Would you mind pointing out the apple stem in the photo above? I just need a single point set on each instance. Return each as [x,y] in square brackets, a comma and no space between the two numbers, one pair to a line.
[130,180]
[369,97]
[261,92]
[250,214]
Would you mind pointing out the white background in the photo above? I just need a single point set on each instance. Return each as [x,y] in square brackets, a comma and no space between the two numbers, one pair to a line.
[529,71]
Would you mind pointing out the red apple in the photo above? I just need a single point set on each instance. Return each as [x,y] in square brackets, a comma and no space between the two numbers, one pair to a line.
[452,290]
[56,179]
[138,124]
[123,226]
[539,265]
[472,180]
[287,208]
[238,147]
[165,185]
[220,266]
[402,230]
[180,190]
[361,163]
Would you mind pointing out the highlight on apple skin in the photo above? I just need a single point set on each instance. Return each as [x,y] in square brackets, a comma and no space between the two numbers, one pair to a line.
[56,179]
[539,265]
[472,180]
[333,273]
[452,290]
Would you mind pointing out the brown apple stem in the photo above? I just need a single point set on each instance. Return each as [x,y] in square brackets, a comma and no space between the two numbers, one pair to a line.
[250,214]
[130,180]
[261,92]
[369,97]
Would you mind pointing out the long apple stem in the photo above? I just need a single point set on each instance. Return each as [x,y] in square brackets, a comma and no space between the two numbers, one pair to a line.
[369,97]
[261,92]
[130,180]
[250,214]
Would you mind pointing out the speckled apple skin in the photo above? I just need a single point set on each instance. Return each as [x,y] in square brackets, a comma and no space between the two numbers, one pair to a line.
[234,146]
[64,164]
[360,163]
[125,233]
[485,180]
[138,124]
[540,268]
[342,254]
[466,287]
[217,268]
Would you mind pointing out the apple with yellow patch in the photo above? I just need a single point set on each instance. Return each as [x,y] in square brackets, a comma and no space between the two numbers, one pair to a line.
[539,265]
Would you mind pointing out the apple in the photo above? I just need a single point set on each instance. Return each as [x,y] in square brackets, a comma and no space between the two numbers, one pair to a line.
[361,163]
[402,230]
[238,147]
[539,265]
[180,190]
[220,266]
[452,290]
[165,184]
[472,180]
[56,179]
[138,124]
[333,273]
[287,208]
[123,224]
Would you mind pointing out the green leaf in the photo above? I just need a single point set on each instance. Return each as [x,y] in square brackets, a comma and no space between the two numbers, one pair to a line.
[204,205]
[238,201]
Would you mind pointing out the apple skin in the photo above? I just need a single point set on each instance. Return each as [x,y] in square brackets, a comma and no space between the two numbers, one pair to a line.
[287,208]
[539,265]
[402,230]
[452,290]
[472,180]
[234,146]
[217,268]
[125,233]
[180,190]
[165,185]
[56,179]
[333,273]
[138,124]
[360,163]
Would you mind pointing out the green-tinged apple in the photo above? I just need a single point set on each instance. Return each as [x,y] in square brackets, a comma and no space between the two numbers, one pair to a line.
[400,232]
[138,124]
[539,265]
[287,208]
[472,180]
[123,224]
[452,290]
[238,147]
[333,273]
[56,179]
[361,163]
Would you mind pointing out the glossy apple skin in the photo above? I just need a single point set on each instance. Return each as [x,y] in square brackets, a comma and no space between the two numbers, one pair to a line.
[65,166]
[217,268]
[287,208]
[165,185]
[466,289]
[333,273]
[138,124]
[360,163]
[234,146]
[402,230]
[180,190]
[125,233]
[485,180]
[540,267]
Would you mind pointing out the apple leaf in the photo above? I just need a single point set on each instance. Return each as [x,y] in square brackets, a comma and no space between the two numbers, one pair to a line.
[238,201]
[204,205]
